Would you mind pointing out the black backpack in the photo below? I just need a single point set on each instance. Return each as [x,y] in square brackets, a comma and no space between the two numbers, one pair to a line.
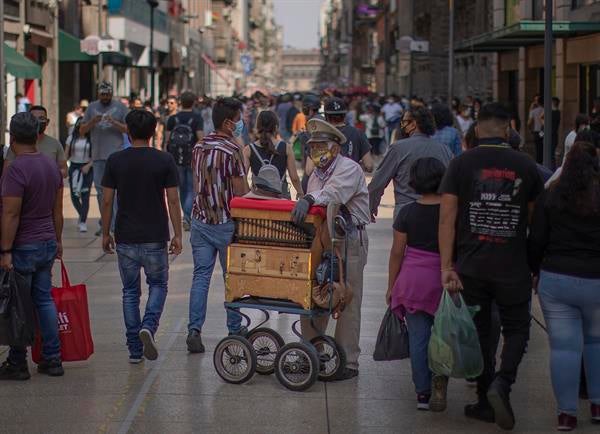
[182,141]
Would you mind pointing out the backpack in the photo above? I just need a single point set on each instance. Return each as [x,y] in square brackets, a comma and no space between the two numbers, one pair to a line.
[267,169]
[182,141]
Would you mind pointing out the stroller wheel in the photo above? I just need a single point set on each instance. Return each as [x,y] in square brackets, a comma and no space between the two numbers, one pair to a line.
[266,343]
[332,357]
[297,366]
[235,360]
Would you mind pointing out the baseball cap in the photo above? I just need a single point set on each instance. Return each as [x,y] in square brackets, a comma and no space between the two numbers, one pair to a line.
[335,106]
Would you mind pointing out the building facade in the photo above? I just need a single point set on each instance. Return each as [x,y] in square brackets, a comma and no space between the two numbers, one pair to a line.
[301,69]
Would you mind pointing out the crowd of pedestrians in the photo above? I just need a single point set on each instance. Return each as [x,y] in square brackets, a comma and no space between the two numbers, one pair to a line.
[473,213]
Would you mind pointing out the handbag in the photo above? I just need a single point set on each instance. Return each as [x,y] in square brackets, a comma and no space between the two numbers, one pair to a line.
[392,339]
[74,329]
[17,313]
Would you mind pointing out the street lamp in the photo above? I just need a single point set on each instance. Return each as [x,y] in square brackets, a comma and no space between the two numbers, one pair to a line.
[548,86]
[153,5]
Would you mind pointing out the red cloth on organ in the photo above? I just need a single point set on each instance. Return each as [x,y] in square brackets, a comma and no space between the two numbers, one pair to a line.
[273,205]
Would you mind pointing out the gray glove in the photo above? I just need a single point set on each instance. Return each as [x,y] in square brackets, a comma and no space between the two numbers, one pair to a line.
[301,209]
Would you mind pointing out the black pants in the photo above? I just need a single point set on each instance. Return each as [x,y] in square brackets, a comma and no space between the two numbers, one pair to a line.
[539,147]
[81,201]
[375,143]
[513,301]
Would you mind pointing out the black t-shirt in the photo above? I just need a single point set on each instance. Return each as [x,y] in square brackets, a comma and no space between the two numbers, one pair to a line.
[420,224]
[184,117]
[140,177]
[356,145]
[494,185]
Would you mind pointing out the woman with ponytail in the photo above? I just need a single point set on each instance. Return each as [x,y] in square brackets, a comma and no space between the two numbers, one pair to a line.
[269,152]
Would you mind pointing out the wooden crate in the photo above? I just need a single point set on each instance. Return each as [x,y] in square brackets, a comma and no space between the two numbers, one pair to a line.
[271,272]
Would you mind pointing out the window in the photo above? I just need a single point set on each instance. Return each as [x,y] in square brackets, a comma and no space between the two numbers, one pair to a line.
[538,9]
[511,12]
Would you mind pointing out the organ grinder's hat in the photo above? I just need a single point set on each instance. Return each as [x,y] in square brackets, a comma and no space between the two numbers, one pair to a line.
[322,131]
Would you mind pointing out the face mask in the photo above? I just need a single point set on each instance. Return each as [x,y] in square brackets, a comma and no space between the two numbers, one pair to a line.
[42,127]
[405,132]
[321,157]
[239,127]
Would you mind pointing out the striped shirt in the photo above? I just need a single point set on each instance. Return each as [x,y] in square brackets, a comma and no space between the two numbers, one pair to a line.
[215,161]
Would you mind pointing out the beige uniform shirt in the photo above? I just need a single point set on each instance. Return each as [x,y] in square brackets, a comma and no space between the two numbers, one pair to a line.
[48,146]
[346,186]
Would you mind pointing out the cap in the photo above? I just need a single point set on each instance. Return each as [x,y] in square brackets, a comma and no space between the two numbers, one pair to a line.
[84,103]
[322,131]
[105,87]
[335,106]
[311,101]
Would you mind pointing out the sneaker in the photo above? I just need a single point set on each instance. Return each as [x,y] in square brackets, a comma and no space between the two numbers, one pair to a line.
[346,374]
[481,411]
[136,360]
[243,331]
[8,371]
[150,350]
[98,232]
[423,401]
[498,396]
[595,408]
[439,389]
[52,368]
[82,227]
[566,422]
[194,342]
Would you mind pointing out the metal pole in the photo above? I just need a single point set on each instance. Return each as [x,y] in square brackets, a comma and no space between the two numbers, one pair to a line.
[548,86]
[2,78]
[100,64]
[450,50]
[151,61]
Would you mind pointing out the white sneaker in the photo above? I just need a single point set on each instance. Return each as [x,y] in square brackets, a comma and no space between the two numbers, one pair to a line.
[150,349]
[82,227]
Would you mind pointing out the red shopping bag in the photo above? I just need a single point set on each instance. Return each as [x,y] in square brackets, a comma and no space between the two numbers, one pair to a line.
[73,322]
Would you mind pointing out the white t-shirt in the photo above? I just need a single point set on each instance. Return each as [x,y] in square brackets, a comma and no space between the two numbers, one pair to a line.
[569,140]
[80,150]
[464,124]
[536,115]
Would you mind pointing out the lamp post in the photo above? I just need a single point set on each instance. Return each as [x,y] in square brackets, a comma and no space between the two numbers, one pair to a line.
[450,50]
[548,85]
[153,5]
[2,77]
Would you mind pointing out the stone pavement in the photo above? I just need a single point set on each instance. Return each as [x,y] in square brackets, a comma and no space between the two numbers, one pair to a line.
[181,393]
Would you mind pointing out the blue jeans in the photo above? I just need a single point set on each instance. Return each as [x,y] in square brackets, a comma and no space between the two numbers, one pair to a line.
[419,331]
[98,167]
[154,259]
[34,262]
[571,307]
[208,241]
[186,191]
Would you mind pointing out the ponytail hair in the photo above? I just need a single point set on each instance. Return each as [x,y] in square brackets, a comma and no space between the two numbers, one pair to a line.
[267,125]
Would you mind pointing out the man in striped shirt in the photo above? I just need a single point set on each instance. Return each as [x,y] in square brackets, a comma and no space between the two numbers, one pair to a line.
[219,175]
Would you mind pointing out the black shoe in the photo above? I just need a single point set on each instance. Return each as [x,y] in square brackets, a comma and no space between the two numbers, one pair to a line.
[243,331]
[150,349]
[481,411]
[498,396]
[194,342]
[52,367]
[8,371]
[346,374]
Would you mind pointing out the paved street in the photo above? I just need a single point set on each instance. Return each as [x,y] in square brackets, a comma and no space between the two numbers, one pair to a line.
[181,393]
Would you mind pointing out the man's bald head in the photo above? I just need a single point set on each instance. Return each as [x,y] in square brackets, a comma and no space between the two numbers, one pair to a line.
[493,121]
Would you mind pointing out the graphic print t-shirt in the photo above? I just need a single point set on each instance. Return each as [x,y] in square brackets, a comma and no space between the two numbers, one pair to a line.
[494,185]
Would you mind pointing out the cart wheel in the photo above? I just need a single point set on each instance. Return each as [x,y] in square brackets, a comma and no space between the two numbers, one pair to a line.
[297,366]
[235,360]
[332,357]
[266,343]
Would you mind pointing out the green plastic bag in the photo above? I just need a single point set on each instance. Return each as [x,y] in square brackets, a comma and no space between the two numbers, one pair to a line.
[454,349]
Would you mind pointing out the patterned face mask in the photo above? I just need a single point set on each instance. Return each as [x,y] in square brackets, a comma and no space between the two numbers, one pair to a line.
[321,157]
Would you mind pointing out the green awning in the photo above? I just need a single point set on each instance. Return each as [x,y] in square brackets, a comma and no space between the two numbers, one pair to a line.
[19,65]
[524,33]
[69,49]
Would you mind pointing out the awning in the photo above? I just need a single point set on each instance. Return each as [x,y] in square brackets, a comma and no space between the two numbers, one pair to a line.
[212,65]
[69,49]
[524,33]
[19,65]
